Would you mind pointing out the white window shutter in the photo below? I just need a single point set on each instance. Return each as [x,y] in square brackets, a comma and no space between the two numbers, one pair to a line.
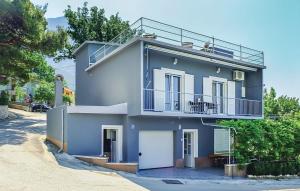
[207,89]
[159,89]
[231,97]
[188,90]
[221,140]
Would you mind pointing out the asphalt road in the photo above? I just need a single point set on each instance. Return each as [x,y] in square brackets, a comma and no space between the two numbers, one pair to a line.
[26,163]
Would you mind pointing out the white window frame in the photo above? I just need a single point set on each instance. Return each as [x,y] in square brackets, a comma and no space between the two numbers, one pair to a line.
[119,129]
[195,131]
[180,74]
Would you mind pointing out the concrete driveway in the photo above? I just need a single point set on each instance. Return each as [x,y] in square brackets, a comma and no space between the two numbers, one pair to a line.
[26,163]
[185,173]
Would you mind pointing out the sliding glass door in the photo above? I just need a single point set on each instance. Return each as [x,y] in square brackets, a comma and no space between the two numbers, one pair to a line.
[218,97]
[172,86]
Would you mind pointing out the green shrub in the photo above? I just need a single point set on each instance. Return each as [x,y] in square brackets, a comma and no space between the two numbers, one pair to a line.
[3,98]
[265,140]
[274,168]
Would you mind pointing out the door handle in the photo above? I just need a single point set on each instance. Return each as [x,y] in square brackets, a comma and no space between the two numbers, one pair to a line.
[140,154]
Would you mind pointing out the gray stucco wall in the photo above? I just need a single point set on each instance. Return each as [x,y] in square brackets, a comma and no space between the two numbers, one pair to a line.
[202,69]
[136,124]
[254,85]
[81,77]
[114,81]
[85,131]
[55,123]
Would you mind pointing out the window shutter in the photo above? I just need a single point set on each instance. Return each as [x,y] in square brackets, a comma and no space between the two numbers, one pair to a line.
[159,89]
[207,89]
[231,97]
[221,140]
[188,90]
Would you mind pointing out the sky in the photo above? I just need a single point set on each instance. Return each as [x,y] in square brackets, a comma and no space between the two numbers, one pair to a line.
[271,26]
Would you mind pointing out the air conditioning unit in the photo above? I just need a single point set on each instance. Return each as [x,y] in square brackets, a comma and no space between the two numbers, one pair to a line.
[238,75]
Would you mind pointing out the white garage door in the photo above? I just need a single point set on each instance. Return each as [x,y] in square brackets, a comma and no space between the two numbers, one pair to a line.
[156,149]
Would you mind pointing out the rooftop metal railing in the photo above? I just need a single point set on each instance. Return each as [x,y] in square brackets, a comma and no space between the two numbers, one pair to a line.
[159,31]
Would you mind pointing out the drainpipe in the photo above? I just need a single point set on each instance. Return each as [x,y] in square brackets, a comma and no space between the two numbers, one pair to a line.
[62,130]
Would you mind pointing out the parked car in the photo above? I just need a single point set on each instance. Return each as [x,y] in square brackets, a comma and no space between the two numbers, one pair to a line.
[39,107]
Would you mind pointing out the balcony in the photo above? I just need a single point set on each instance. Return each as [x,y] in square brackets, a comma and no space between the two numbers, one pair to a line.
[177,102]
[154,30]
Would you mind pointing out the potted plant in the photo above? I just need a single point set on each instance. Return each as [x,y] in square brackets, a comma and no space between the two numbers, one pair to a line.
[3,105]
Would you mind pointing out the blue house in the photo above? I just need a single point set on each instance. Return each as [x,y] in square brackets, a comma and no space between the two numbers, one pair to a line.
[142,98]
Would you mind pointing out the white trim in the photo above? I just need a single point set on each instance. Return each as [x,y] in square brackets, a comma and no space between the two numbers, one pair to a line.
[172,71]
[113,109]
[218,79]
[119,129]
[195,131]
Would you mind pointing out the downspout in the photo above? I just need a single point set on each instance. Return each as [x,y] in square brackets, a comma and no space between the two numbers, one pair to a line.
[62,130]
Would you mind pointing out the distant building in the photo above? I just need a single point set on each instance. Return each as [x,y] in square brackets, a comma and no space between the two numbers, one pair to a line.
[68,92]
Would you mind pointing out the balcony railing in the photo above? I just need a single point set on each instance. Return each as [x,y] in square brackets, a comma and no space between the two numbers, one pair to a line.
[164,101]
[151,29]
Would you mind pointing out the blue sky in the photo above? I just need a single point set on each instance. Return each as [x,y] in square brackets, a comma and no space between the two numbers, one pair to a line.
[272,26]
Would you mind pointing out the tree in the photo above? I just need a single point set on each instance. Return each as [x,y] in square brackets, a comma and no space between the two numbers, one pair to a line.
[280,106]
[3,98]
[67,99]
[90,24]
[43,72]
[45,92]
[24,38]
[20,93]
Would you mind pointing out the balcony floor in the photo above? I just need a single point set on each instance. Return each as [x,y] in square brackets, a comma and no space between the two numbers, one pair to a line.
[195,115]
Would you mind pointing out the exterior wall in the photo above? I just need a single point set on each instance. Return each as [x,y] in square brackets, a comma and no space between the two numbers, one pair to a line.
[116,80]
[85,132]
[55,122]
[254,85]
[198,69]
[136,124]
[82,79]
[202,69]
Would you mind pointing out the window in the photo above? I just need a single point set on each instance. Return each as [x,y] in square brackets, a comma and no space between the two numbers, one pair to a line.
[172,95]
[218,96]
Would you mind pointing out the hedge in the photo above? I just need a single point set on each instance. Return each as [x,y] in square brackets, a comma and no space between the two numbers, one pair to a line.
[274,168]
[3,98]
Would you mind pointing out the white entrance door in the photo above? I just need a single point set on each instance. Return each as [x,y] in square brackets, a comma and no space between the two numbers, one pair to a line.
[190,147]
[155,149]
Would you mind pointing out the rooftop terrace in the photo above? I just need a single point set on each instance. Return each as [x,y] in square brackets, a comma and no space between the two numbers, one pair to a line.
[155,30]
